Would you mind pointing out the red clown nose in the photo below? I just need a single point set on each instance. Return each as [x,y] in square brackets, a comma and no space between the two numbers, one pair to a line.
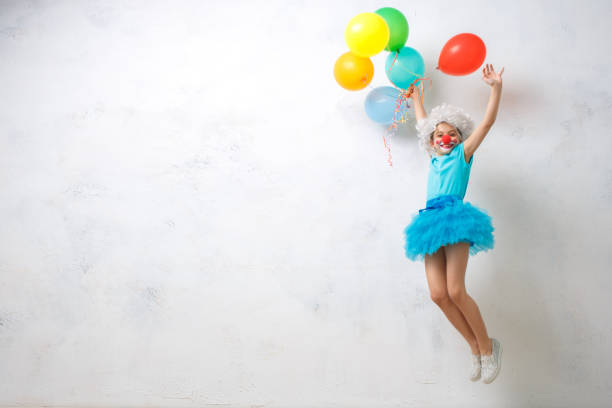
[446,139]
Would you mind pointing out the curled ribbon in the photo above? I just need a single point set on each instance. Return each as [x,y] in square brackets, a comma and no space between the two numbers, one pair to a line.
[402,99]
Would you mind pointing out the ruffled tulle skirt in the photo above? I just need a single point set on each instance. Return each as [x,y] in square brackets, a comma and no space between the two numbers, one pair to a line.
[447,220]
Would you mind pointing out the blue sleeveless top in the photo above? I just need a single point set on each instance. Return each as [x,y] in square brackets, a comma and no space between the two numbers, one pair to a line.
[449,174]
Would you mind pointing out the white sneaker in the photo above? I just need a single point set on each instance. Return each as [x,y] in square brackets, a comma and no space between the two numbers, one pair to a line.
[491,364]
[475,372]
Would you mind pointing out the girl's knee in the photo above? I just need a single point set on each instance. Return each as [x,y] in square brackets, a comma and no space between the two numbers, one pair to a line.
[457,293]
[439,296]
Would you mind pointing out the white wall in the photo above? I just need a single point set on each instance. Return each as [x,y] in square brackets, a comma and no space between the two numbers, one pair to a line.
[194,213]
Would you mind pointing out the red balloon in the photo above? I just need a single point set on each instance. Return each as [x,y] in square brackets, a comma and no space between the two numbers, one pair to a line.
[462,54]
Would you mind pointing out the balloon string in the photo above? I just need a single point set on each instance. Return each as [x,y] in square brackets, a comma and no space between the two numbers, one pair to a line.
[392,62]
[408,71]
[402,100]
[389,159]
[400,67]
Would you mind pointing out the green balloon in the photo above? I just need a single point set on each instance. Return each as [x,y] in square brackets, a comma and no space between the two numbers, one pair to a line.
[398,27]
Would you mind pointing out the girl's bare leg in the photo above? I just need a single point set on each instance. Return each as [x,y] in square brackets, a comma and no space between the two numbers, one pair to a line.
[457,259]
[435,269]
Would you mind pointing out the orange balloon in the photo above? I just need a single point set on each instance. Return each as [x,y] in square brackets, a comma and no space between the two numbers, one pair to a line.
[462,54]
[353,72]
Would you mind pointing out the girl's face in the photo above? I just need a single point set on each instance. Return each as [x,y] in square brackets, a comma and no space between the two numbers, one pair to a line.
[445,138]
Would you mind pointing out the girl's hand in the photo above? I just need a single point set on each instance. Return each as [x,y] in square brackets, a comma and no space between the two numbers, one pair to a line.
[490,76]
[414,92]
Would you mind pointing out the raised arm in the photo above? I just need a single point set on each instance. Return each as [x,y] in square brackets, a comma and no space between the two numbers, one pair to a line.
[416,96]
[494,80]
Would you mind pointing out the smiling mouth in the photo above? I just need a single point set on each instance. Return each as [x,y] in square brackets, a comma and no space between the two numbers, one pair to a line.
[448,146]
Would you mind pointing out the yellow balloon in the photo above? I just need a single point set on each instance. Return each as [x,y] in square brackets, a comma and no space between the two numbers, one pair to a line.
[353,72]
[367,34]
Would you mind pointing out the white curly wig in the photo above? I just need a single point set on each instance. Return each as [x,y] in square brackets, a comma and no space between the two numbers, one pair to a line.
[443,113]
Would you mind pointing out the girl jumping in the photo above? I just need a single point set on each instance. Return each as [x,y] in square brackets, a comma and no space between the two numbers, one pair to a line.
[448,230]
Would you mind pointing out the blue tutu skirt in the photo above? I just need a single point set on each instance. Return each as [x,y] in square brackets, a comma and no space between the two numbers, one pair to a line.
[447,220]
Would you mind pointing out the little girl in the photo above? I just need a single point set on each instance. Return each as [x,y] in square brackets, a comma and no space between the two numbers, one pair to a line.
[448,230]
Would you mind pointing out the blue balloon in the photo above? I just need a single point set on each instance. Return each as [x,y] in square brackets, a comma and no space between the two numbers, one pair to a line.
[380,105]
[408,66]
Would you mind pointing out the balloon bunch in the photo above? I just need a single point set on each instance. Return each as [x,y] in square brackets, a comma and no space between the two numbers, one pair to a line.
[367,34]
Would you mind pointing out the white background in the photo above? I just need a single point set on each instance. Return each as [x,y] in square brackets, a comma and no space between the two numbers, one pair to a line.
[195,214]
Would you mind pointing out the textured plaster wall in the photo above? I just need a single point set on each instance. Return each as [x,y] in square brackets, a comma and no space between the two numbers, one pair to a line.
[195,214]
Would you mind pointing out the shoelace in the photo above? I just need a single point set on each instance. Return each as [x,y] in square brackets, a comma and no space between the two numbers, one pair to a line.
[488,361]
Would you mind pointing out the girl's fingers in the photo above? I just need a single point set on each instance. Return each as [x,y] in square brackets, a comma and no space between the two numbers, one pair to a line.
[488,68]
